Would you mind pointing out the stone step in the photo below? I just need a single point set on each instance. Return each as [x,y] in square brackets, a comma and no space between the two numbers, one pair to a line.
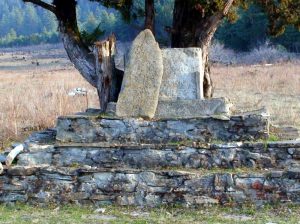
[48,185]
[95,129]
[184,155]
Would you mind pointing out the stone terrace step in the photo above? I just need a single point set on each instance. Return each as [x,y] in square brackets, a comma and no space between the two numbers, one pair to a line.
[48,184]
[94,129]
[188,155]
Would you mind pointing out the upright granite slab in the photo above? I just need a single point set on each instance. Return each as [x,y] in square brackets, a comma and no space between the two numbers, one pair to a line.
[183,74]
[142,79]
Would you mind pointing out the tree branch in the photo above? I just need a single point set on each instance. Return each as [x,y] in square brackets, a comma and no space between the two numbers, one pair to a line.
[212,24]
[44,5]
[226,9]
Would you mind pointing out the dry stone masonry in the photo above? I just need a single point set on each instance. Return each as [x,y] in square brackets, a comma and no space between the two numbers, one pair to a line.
[277,155]
[96,129]
[152,175]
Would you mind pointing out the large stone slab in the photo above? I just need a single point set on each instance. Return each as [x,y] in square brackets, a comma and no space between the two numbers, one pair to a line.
[142,79]
[193,108]
[183,74]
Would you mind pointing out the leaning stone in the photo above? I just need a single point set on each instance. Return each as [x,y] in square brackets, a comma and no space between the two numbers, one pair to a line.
[183,74]
[142,79]
[192,108]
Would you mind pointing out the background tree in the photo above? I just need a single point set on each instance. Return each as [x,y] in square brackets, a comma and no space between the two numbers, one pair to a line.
[194,25]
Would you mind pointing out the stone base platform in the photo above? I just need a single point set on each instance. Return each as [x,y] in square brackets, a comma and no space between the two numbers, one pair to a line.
[279,155]
[61,185]
[89,128]
[96,160]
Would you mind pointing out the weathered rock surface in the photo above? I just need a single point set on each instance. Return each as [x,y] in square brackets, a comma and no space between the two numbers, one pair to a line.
[183,74]
[47,185]
[204,156]
[193,108]
[142,79]
[94,129]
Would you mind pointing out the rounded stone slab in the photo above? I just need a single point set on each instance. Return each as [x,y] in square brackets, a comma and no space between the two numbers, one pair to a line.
[142,79]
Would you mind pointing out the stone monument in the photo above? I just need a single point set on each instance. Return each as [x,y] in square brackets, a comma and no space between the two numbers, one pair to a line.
[165,83]
[165,158]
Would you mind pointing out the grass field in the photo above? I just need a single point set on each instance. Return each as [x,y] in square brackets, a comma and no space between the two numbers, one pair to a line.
[275,87]
[35,82]
[73,214]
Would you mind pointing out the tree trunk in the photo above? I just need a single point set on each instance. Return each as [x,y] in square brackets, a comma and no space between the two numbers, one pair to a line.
[108,85]
[150,15]
[78,53]
[192,28]
[97,66]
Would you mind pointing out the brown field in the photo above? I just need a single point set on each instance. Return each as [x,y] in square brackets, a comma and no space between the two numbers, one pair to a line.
[32,96]
[275,87]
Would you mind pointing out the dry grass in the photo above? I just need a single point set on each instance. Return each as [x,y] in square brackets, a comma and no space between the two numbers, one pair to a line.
[31,96]
[276,87]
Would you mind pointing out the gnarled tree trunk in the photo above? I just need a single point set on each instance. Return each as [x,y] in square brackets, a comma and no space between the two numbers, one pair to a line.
[79,54]
[97,66]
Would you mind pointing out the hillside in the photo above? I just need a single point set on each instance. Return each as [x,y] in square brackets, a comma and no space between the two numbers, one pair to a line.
[24,24]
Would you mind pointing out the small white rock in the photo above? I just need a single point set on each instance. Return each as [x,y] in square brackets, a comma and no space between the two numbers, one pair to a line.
[100,210]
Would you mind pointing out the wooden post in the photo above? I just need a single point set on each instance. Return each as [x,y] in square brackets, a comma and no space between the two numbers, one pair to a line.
[105,70]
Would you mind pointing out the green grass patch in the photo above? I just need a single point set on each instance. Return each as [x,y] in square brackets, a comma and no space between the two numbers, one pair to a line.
[23,214]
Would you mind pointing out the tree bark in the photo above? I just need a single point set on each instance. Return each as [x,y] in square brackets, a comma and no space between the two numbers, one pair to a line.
[108,85]
[78,53]
[192,28]
[150,15]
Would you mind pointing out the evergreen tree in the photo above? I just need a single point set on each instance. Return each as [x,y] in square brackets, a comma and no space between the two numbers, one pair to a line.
[249,31]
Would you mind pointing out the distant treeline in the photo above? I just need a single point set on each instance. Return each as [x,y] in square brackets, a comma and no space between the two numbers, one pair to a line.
[23,24]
